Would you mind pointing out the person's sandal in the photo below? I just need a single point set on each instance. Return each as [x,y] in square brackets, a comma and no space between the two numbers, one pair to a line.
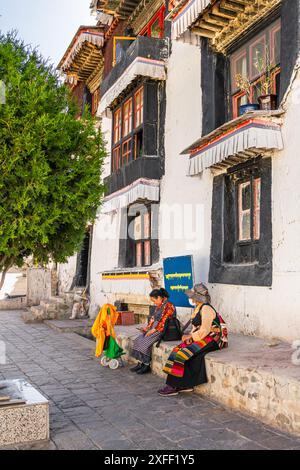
[168,391]
[144,369]
[136,368]
[185,390]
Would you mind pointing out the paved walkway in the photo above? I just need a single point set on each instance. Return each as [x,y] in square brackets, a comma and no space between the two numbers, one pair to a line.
[95,408]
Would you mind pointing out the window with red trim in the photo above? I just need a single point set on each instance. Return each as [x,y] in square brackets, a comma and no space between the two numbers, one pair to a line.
[252,60]
[142,236]
[95,101]
[126,150]
[116,158]
[249,210]
[127,129]
[127,117]
[117,126]
[138,107]
[156,26]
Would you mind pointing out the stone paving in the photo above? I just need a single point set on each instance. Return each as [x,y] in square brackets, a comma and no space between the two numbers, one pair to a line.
[92,407]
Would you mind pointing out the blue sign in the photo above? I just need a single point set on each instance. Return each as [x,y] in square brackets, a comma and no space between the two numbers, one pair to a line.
[178,275]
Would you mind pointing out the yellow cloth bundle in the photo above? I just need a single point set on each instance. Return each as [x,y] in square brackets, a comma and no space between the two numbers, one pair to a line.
[104,326]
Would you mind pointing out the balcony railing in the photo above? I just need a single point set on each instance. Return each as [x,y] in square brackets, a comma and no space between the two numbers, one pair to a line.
[142,167]
[153,50]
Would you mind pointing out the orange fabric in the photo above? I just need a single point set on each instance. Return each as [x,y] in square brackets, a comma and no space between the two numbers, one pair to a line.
[167,313]
[104,326]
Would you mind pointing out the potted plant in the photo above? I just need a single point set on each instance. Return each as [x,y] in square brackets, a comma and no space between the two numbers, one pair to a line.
[267,99]
[243,84]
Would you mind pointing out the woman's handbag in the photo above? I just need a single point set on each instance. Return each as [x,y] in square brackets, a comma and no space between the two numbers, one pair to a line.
[172,330]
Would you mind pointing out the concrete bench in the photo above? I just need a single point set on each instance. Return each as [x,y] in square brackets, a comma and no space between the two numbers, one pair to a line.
[251,376]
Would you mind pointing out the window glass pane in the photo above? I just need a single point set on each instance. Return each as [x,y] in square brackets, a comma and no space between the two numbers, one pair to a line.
[256,208]
[116,159]
[258,53]
[241,66]
[126,151]
[245,226]
[147,225]
[138,107]
[276,46]
[138,253]
[117,126]
[155,29]
[244,211]
[239,101]
[238,67]
[246,196]
[147,253]
[127,117]
[138,228]
[256,91]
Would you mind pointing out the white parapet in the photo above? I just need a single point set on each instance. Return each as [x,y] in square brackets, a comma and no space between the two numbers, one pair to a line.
[24,418]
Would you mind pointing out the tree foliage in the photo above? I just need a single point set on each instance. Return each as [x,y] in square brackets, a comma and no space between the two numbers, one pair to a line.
[50,161]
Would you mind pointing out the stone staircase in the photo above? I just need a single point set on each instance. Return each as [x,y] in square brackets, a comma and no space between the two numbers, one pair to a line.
[55,308]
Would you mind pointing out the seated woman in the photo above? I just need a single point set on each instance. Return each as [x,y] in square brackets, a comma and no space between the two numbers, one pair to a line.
[186,365]
[142,346]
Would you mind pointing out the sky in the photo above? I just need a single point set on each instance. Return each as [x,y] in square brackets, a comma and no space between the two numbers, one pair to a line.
[48,24]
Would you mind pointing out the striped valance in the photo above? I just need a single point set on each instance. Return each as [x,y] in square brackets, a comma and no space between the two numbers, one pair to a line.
[141,66]
[187,16]
[142,189]
[95,38]
[247,140]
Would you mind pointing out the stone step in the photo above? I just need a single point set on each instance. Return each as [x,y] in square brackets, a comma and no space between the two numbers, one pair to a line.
[253,376]
[29,317]
[51,311]
[80,326]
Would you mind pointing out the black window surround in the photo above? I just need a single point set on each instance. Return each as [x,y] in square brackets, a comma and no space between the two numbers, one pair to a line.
[215,68]
[135,135]
[149,163]
[127,244]
[233,262]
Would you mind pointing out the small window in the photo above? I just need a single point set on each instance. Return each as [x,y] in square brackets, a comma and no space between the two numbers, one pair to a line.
[138,144]
[117,126]
[138,107]
[127,117]
[142,235]
[241,245]
[126,151]
[244,202]
[252,62]
[95,101]
[249,210]
[116,158]
[156,26]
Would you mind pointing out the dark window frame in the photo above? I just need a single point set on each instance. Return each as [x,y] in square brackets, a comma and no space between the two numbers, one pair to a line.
[216,77]
[226,263]
[244,50]
[127,245]
[143,239]
[134,130]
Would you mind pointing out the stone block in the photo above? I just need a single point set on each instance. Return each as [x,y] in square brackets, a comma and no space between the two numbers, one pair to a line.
[38,285]
[24,423]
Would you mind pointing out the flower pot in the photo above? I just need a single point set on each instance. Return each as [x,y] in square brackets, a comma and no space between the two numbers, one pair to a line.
[268,102]
[245,108]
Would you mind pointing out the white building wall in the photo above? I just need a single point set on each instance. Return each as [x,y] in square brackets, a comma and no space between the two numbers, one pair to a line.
[262,311]
[65,274]
[188,198]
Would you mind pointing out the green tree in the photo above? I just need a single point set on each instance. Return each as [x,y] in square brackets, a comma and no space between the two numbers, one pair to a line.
[50,161]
